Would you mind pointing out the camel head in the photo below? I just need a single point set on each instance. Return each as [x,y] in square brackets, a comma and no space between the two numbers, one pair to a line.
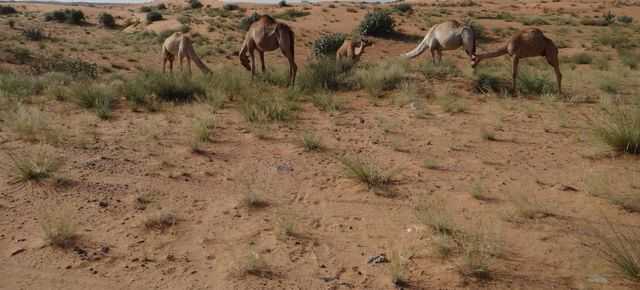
[469,42]
[244,60]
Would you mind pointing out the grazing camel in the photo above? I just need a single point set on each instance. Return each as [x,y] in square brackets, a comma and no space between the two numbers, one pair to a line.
[350,51]
[180,45]
[527,43]
[449,35]
[266,34]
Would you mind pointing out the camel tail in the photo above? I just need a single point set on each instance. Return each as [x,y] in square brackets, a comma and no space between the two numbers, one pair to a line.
[422,46]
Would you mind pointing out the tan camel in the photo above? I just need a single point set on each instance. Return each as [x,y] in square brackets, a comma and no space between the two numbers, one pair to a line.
[268,35]
[350,51]
[180,45]
[527,43]
[449,35]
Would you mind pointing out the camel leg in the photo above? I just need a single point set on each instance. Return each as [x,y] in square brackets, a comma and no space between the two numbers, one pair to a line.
[261,55]
[433,54]
[293,68]
[171,65]
[189,64]
[164,64]
[181,61]
[553,61]
[253,63]
[439,55]
[516,60]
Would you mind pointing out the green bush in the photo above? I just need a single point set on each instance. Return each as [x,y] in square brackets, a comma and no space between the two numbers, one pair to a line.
[488,80]
[230,6]
[403,7]
[106,20]
[195,4]
[16,86]
[69,16]
[328,44]
[34,34]
[629,58]
[154,16]
[377,23]
[282,3]
[625,19]
[246,21]
[146,9]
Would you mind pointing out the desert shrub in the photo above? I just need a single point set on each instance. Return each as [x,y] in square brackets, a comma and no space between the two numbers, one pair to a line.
[246,21]
[625,19]
[30,124]
[160,6]
[613,39]
[311,142]
[620,129]
[367,172]
[153,16]
[170,88]
[609,17]
[230,6]
[94,96]
[440,70]
[534,21]
[291,14]
[195,4]
[59,229]
[328,44]
[282,3]
[69,16]
[34,34]
[16,86]
[106,20]
[6,10]
[582,58]
[33,166]
[326,101]
[382,76]
[403,7]
[594,22]
[487,80]
[610,84]
[630,58]
[146,9]
[533,83]
[377,23]
[321,74]
[506,16]
[74,67]
[160,220]
[266,107]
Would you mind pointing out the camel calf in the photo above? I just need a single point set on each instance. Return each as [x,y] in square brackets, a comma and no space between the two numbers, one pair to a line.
[350,51]
[180,45]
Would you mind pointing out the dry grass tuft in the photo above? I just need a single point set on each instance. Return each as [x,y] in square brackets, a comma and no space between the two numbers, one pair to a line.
[368,173]
[59,229]
[621,250]
[432,213]
[33,166]
[160,220]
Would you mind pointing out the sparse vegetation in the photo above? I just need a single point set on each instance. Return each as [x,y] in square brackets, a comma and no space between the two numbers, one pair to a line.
[620,249]
[31,124]
[382,77]
[527,206]
[106,20]
[432,213]
[143,89]
[95,96]
[534,83]
[153,16]
[202,132]
[291,14]
[398,269]
[34,34]
[69,16]
[267,107]
[440,70]
[33,166]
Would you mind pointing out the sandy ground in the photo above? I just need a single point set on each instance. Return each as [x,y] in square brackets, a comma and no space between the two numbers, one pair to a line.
[542,151]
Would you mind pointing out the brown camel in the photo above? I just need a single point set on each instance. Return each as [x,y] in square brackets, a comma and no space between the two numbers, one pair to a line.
[266,34]
[349,51]
[527,43]
[180,45]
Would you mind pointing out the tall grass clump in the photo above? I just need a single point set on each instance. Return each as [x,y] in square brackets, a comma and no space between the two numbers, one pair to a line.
[367,172]
[326,101]
[440,70]
[533,83]
[322,74]
[59,229]
[267,107]
[30,123]
[621,250]
[630,58]
[35,166]
[620,129]
[311,142]
[94,96]
[433,214]
[15,87]
[489,80]
[169,88]
[382,76]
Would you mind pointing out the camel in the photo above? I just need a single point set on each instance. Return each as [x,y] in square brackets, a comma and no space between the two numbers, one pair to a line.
[350,51]
[180,45]
[527,43]
[266,34]
[448,35]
